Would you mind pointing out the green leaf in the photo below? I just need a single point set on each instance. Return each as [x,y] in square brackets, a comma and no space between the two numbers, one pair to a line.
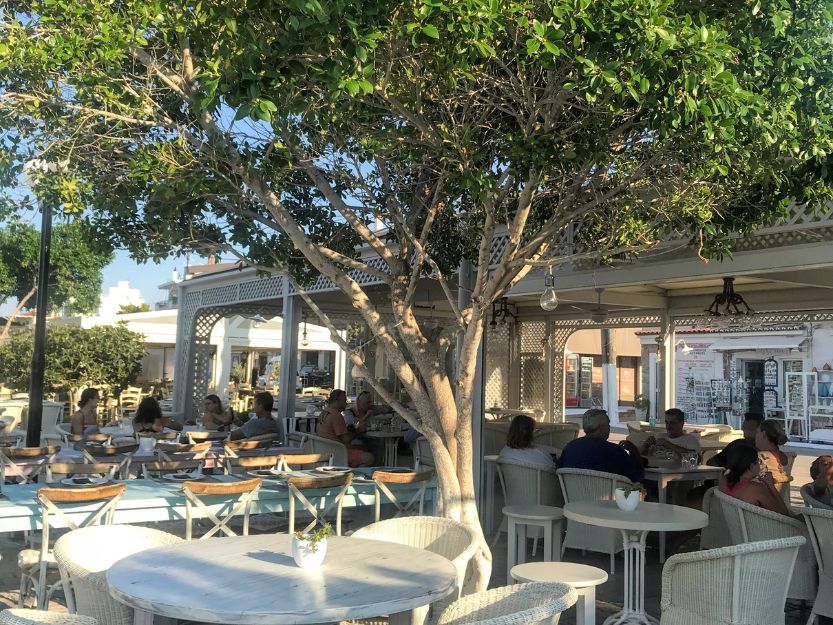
[430,30]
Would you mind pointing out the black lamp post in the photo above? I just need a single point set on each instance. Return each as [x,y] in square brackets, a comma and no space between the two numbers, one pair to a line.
[35,419]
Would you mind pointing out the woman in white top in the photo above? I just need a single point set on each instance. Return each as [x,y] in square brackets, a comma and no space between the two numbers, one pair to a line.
[519,444]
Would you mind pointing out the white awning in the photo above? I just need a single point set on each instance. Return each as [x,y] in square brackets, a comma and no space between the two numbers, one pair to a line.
[771,341]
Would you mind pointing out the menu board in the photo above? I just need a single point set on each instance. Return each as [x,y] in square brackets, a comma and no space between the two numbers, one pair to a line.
[770,372]
[721,394]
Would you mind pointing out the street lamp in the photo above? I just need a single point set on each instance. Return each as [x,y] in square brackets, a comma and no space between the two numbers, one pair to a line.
[31,169]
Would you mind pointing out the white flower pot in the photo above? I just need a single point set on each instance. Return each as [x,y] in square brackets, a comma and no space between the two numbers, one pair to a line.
[305,557]
[628,502]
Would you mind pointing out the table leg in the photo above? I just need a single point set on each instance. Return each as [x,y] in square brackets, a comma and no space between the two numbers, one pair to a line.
[633,608]
[586,606]
[662,496]
[548,532]
[521,530]
[417,616]
[558,528]
[142,617]
[512,548]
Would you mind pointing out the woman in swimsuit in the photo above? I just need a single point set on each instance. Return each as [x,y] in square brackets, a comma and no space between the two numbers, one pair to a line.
[743,480]
[85,419]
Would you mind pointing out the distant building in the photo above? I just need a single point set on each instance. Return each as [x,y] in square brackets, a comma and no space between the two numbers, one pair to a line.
[118,296]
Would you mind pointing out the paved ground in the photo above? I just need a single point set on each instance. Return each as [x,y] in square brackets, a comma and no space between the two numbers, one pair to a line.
[609,595]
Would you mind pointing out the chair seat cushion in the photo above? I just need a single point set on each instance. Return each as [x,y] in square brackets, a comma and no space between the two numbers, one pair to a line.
[27,558]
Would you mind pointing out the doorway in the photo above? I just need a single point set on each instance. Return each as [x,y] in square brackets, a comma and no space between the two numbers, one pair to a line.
[753,373]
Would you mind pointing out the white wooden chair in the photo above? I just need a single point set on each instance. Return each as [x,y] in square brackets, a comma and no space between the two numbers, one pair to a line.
[294,462]
[82,469]
[238,499]
[85,555]
[414,505]
[734,585]
[235,465]
[520,604]
[65,505]
[12,460]
[820,527]
[204,435]
[299,487]
[296,439]
[587,485]
[749,523]
[423,456]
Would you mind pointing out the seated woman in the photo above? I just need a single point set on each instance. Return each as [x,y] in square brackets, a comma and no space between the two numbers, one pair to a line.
[149,418]
[519,445]
[213,415]
[743,480]
[85,419]
[331,424]
[769,437]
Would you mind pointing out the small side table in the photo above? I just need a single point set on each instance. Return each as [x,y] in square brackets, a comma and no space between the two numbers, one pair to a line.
[549,518]
[581,576]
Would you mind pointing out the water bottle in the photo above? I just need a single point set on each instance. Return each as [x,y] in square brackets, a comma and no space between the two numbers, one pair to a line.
[652,420]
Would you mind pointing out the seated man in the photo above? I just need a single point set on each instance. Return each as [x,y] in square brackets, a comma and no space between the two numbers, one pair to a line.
[593,451]
[263,423]
[674,438]
[821,471]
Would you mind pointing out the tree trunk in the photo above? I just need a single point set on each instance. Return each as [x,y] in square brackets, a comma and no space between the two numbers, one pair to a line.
[13,315]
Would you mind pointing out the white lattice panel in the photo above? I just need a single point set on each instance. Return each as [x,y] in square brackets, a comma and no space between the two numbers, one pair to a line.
[497,367]
[533,359]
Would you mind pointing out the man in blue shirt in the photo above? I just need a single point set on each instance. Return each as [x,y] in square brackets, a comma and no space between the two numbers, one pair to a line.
[593,451]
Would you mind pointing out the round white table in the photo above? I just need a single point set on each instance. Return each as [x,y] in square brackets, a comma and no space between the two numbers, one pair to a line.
[253,580]
[648,517]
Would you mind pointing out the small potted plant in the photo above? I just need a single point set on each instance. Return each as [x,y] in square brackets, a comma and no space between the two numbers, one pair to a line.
[627,497]
[309,549]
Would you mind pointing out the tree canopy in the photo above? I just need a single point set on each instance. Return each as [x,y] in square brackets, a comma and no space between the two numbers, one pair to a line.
[76,263]
[281,131]
[77,357]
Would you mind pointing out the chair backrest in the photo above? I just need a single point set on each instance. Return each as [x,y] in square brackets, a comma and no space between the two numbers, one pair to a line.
[320,445]
[85,469]
[14,461]
[61,503]
[716,533]
[588,485]
[198,449]
[745,583]
[525,483]
[53,414]
[809,500]
[382,479]
[536,602]
[820,528]
[555,434]
[300,487]
[296,439]
[238,499]
[232,447]
[241,464]
[748,522]
[445,537]
[290,462]
[162,465]
[205,435]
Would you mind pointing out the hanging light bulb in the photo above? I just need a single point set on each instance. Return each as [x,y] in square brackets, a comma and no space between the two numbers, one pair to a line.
[549,298]
[304,341]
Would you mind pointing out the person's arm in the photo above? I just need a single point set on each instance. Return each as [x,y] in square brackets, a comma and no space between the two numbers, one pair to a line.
[630,467]
[646,446]
[171,424]
[76,425]
[770,499]
[677,449]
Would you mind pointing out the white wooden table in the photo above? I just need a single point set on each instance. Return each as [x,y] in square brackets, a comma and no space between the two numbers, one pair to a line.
[663,477]
[149,500]
[635,525]
[253,580]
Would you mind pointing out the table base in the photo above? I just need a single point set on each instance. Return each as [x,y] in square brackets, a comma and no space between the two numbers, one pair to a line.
[633,609]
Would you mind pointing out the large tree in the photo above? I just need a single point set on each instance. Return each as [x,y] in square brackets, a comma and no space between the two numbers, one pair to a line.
[77,261]
[279,131]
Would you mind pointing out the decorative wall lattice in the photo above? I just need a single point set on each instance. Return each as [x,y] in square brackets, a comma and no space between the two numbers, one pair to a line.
[533,365]
[498,366]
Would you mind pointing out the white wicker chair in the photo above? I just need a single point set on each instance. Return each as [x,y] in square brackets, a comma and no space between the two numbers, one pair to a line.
[820,528]
[521,604]
[527,484]
[84,557]
[320,445]
[716,533]
[749,523]
[18,616]
[810,501]
[439,535]
[587,485]
[731,585]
